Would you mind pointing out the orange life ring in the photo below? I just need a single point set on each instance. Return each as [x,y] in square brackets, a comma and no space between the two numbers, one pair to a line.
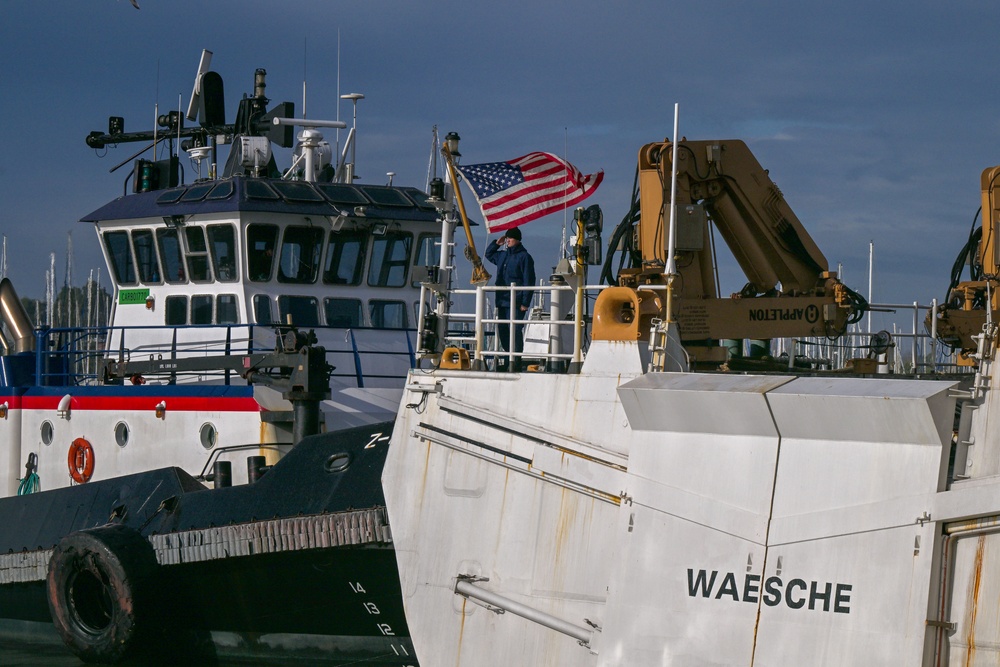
[81,461]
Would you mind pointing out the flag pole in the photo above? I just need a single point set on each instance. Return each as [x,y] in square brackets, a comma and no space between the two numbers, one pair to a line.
[479,272]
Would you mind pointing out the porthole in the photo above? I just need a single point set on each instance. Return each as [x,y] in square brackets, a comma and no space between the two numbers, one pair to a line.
[209,436]
[121,434]
[46,432]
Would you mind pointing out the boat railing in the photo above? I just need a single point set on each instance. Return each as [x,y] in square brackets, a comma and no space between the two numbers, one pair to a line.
[913,350]
[76,356]
[551,339]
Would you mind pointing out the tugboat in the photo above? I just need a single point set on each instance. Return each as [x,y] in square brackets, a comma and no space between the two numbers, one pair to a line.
[220,264]
[209,464]
[673,501]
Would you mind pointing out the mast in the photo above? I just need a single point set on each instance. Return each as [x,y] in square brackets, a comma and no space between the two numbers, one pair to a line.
[97,291]
[432,165]
[50,288]
[68,280]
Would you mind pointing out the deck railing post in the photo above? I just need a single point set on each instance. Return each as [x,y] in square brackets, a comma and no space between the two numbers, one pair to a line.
[479,362]
[511,331]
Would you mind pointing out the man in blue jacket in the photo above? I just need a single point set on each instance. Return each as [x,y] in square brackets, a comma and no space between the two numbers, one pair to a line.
[514,267]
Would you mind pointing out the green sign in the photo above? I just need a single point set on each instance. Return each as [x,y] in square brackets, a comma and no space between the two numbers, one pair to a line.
[132,296]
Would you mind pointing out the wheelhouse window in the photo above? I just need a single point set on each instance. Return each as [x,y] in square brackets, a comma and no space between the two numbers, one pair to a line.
[197,254]
[226,310]
[428,252]
[170,253]
[176,310]
[121,257]
[201,309]
[387,314]
[390,258]
[261,242]
[145,256]
[303,309]
[222,242]
[262,313]
[344,313]
[345,258]
[300,251]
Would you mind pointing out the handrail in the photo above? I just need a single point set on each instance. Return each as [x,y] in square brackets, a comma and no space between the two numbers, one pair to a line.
[921,345]
[75,355]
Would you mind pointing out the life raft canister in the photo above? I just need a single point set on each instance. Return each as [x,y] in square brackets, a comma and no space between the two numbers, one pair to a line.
[81,461]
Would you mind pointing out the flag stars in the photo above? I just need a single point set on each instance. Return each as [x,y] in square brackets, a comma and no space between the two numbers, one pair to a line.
[492,177]
[517,191]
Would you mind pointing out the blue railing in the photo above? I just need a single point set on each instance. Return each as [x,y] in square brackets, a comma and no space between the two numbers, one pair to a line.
[76,356]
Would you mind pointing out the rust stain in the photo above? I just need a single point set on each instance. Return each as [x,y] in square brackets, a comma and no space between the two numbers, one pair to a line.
[423,478]
[567,514]
[461,632]
[503,507]
[427,463]
[586,457]
[977,580]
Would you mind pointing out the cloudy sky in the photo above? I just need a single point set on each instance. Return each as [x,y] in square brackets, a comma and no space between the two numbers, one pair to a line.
[875,118]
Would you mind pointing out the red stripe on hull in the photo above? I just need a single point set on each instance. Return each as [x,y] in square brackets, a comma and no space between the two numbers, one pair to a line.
[174,403]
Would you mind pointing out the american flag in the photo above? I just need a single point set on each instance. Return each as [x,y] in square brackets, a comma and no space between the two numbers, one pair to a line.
[518,191]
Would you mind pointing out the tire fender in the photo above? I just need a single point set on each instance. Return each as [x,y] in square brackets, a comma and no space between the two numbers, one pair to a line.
[101,589]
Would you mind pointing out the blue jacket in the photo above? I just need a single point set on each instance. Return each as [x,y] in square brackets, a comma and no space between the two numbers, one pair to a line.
[514,266]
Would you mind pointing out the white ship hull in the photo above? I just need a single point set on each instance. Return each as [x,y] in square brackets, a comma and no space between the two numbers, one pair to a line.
[692,519]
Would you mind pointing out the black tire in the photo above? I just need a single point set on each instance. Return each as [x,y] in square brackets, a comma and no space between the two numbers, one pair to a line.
[102,593]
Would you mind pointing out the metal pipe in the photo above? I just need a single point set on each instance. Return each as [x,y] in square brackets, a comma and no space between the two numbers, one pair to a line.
[871,264]
[672,231]
[16,318]
[470,590]
[555,314]
[578,305]
[986,523]
[934,314]
[442,303]
[952,533]
[303,122]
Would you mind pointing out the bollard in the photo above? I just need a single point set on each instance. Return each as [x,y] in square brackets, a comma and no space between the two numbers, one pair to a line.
[222,474]
[256,467]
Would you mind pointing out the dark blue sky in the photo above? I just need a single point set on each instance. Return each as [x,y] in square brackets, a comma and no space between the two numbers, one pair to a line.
[875,119]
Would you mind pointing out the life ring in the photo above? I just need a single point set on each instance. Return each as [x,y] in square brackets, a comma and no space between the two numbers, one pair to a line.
[101,588]
[81,461]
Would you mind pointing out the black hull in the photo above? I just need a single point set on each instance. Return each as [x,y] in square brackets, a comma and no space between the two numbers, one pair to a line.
[299,564]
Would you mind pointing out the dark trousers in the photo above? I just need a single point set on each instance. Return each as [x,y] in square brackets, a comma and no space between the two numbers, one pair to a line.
[503,333]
